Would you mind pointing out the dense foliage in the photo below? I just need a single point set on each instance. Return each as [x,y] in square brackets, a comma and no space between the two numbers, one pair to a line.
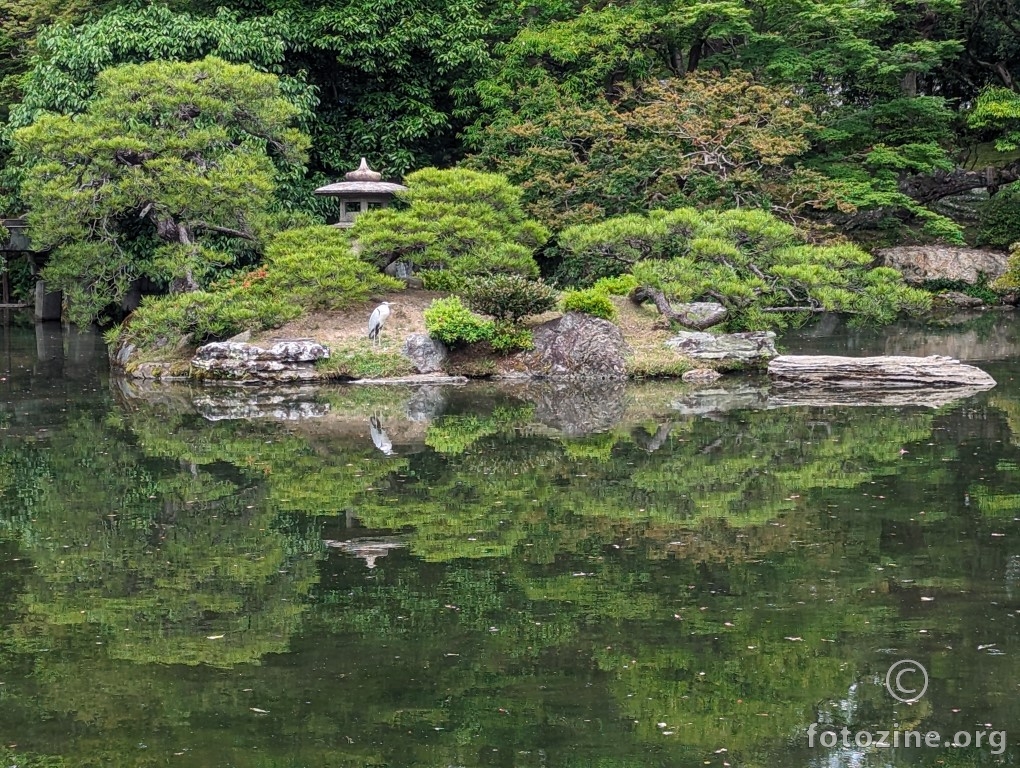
[854,118]
[165,167]
[590,301]
[305,269]
[705,139]
[999,218]
[450,322]
[509,297]
[467,222]
[392,81]
[758,267]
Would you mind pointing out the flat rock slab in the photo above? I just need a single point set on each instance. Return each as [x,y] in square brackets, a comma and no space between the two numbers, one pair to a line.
[935,371]
[750,347]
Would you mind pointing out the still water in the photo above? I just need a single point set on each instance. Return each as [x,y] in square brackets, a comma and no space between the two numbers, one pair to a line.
[616,576]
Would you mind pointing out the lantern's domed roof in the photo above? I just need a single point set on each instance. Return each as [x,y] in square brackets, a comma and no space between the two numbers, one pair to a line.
[364,173]
[363,181]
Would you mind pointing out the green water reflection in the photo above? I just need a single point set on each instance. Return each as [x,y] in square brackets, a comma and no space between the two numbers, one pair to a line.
[490,576]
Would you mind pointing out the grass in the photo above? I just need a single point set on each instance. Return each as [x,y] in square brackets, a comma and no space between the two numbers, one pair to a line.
[659,364]
[363,363]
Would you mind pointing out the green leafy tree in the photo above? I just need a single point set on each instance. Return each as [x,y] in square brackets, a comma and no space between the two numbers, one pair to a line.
[305,269]
[997,110]
[164,166]
[468,222]
[394,82]
[701,140]
[758,267]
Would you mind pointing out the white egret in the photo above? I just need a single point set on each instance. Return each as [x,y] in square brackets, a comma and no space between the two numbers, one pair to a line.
[375,322]
[379,437]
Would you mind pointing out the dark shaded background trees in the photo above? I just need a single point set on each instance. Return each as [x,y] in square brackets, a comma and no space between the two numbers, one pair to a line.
[863,115]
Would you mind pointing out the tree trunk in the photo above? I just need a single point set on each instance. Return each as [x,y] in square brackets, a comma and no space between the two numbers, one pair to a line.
[645,293]
[174,232]
[908,85]
[928,188]
[694,57]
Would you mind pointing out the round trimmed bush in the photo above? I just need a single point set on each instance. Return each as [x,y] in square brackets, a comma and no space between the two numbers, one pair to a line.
[509,297]
[449,321]
[590,301]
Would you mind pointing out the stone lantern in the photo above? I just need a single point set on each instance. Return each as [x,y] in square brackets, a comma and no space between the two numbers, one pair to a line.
[361,190]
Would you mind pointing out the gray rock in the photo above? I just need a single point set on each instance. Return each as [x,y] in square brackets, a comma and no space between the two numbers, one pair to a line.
[864,373]
[575,346]
[699,311]
[425,353]
[243,337]
[414,283]
[399,269]
[958,299]
[922,263]
[123,355]
[288,360]
[701,376]
[751,347]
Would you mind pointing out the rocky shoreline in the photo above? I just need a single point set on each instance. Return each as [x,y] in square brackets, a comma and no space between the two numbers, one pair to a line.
[568,347]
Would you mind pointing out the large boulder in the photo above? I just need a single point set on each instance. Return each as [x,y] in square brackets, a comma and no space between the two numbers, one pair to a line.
[426,354]
[743,348]
[925,263]
[289,360]
[575,346]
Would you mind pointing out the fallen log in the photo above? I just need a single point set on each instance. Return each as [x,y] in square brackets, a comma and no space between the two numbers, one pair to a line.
[935,371]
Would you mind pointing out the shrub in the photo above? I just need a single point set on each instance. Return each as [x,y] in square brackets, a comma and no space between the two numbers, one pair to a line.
[450,322]
[999,218]
[1011,280]
[465,221]
[621,285]
[316,268]
[759,267]
[442,280]
[509,297]
[590,301]
[507,337]
[305,268]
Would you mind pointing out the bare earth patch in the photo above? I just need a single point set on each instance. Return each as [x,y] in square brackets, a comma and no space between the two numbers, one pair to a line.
[351,326]
[346,335]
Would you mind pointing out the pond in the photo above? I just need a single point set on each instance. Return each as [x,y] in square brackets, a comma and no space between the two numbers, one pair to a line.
[640,575]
